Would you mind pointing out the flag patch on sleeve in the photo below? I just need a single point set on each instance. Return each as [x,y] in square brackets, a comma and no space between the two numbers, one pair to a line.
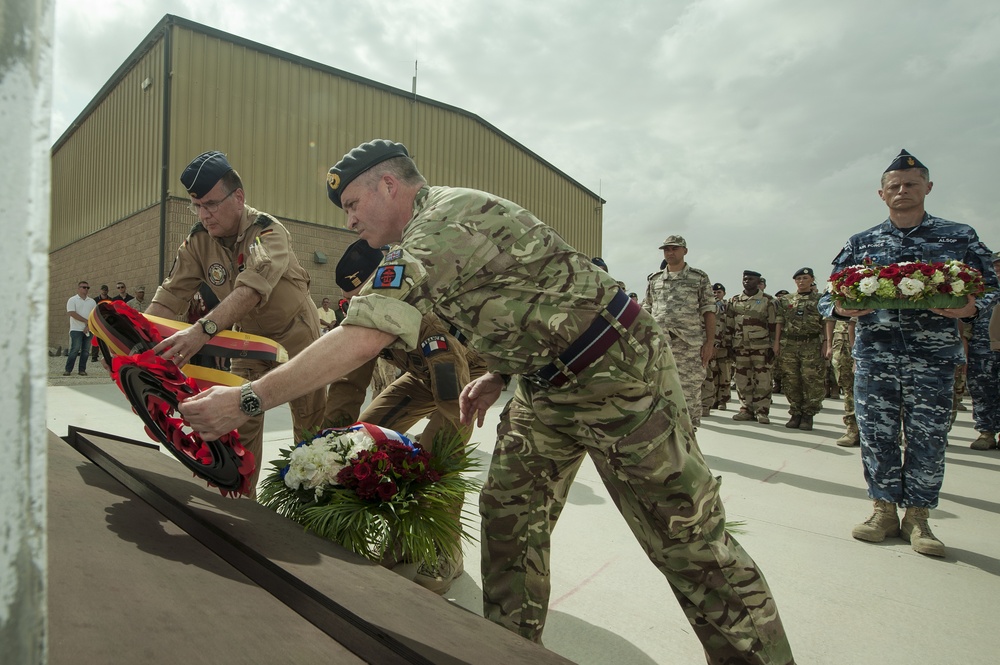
[394,255]
[388,277]
[433,344]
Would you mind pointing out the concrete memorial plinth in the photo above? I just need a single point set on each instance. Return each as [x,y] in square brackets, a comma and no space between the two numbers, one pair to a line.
[147,564]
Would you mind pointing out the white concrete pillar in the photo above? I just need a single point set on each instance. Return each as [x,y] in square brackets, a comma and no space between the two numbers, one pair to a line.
[26,28]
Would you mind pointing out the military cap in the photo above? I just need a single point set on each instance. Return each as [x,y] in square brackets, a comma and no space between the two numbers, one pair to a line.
[674,241]
[140,289]
[804,271]
[599,262]
[357,265]
[718,287]
[751,273]
[904,161]
[356,162]
[203,172]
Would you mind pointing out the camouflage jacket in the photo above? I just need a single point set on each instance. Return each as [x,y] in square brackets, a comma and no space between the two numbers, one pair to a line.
[887,334]
[798,316]
[678,301]
[751,320]
[513,287]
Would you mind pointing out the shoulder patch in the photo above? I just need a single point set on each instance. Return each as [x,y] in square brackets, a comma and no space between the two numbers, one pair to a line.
[433,344]
[264,220]
[394,255]
[388,277]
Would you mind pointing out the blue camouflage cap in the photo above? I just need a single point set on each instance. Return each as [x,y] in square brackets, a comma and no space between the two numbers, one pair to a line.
[203,172]
[358,161]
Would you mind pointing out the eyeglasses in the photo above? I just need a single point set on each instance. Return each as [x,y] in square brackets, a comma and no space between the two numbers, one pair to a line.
[83,287]
[211,206]
[121,288]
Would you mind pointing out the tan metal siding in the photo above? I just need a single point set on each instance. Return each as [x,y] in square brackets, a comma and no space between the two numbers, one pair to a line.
[110,168]
[283,124]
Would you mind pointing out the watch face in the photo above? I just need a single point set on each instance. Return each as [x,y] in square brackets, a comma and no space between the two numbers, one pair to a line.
[250,404]
[210,327]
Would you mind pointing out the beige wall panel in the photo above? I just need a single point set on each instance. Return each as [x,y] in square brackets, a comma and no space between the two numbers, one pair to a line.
[109,167]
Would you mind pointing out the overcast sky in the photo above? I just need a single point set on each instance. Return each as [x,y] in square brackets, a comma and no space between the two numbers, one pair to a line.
[757,129]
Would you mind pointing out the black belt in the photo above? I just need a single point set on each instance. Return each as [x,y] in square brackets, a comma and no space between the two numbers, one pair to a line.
[589,346]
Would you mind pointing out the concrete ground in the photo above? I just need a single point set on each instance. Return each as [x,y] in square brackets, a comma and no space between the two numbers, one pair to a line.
[798,495]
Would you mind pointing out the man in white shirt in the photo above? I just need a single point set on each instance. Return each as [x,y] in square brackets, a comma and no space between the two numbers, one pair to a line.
[79,308]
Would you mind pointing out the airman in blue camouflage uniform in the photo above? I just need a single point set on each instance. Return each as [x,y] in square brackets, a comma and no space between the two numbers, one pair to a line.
[596,378]
[906,358]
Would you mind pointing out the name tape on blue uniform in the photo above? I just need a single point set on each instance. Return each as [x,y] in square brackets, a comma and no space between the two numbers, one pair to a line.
[433,344]
[388,277]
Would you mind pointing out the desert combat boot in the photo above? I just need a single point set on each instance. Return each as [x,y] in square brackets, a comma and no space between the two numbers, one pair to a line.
[916,530]
[883,523]
[985,441]
[852,437]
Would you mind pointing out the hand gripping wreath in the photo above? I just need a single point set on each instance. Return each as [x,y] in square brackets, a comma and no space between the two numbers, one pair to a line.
[154,387]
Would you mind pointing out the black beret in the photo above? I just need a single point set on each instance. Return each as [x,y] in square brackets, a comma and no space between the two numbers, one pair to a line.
[357,265]
[357,162]
[599,262]
[751,273]
[718,287]
[904,161]
[203,172]
[804,271]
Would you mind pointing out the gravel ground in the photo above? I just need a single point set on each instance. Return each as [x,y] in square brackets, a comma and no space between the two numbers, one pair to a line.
[95,373]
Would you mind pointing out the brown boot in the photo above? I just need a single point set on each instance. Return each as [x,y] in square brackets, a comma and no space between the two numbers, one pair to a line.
[852,437]
[915,529]
[807,423]
[883,523]
[985,441]
[794,421]
[763,419]
[743,415]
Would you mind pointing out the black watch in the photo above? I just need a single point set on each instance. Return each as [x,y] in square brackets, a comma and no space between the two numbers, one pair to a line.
[209,326]
[249,401]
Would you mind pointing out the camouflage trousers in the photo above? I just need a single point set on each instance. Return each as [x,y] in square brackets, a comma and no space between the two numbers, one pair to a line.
[718,381]
[692,374]
[627,413]
[803,370]
[752,369]
[843,366]
[984,387]
[907,392]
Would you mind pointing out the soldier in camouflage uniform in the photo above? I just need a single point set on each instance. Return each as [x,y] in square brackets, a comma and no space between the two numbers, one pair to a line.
[984,371]
[840,335]
[680,299]
[596,378]
[905,359]
[751,320]
[801,333]
[716,391]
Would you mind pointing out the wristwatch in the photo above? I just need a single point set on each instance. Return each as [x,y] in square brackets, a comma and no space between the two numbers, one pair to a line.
[209,326]
[249,402]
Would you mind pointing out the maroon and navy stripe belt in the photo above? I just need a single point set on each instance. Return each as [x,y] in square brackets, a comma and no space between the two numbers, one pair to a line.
[589,346]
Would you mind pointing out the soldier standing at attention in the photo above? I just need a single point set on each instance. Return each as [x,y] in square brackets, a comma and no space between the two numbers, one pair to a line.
[596,377]
[751,319]
[245,257]
[716,391]
[840,336]
[802,336]
[905,359]
[680,299]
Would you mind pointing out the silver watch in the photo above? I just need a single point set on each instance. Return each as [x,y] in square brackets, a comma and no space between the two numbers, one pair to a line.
[249,401]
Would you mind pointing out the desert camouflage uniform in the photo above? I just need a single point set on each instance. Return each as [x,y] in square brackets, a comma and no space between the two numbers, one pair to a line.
[751,321]
[433,377]
[678,302]
[286,312]
[520,295]
[802,364]
[843,364]
[717,390]
[905,362]
[984,365]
